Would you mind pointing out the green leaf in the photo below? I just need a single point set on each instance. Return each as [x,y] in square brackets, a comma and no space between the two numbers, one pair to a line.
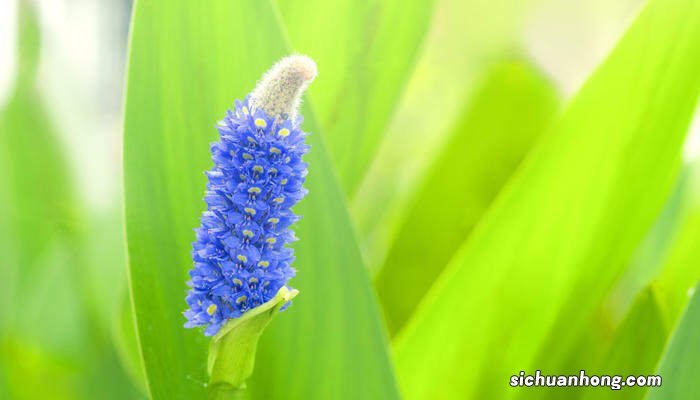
[506,116]
[364,65]
[332,337]
[181,81]
[638,343]
[568,222]
[465,40]
[680,364]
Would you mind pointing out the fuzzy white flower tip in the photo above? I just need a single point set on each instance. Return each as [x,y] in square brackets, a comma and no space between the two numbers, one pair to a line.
[279,91]
[303,65]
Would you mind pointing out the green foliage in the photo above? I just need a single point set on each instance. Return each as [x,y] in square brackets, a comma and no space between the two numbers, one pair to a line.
[50,327]
[498,127]
[503,237]
[556,239]
[364,63]
[465,41]
[333,336]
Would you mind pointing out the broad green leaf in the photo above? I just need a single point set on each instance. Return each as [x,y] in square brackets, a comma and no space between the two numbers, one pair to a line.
[637,343]
[332,338]
[466,38]
[680,365]
[187,65]
[180,82]
[568,222]
[365,51]
[498,127]
[631,307]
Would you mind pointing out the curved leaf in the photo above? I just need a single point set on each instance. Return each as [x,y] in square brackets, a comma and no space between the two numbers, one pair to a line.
[466,38]
[567,223]
[187,65]
[365,50]
[180,82]
[332,338]
[510,110]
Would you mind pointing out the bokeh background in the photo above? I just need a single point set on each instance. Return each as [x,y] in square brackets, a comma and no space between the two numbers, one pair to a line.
[66,321]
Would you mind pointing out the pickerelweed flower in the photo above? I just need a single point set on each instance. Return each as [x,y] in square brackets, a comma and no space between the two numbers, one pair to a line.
[241,258]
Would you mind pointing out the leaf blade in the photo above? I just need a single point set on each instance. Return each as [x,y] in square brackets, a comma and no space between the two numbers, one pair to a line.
[500,125]
[365,65]
[175,94]
[529,254]
[337,338]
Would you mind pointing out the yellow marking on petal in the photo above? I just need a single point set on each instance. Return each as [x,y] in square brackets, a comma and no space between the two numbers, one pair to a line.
[284,132]
[287,160]
[271,240]
[278,199]
[241,299]
[211,309]
[251,140]
[264,264]
[261,123]
[245,110]
[242,258]
[253,280]
[237,281]
[275,150]
[258,168]
[247,232]
[250,210]
[247,156]
[243,177]
[273,220]
[273,170]
[283,181]
[255,190]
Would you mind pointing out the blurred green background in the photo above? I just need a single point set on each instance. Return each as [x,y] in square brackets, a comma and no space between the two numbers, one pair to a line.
[496,186]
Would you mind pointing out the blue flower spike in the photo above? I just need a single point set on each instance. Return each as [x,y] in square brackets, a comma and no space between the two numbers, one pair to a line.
[242,261]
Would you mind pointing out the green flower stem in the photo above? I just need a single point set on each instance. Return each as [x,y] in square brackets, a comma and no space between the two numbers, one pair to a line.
[232,350]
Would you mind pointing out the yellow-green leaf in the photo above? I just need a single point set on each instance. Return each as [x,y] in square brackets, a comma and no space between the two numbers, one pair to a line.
[500,124]
[567,224]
